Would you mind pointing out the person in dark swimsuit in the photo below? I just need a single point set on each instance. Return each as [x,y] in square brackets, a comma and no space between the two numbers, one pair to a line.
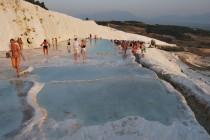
[69,46]
[45,46]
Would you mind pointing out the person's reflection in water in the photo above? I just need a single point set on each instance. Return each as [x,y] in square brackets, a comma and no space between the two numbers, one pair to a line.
[90,41]
[124,56]
[22,95]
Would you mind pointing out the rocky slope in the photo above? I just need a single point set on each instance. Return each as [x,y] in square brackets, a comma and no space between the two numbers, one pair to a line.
[20,18]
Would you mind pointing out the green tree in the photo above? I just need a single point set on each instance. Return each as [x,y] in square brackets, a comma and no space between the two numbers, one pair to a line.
[41,4]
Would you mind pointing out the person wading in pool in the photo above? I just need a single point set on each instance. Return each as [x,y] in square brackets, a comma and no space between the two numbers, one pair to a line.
[76,49]
[20,42]
[56,43]
[69,46]
[135,50]
[143,48]
[15,55]
[95,37]
[83,50]
[124,47]
[53,43]
[45,46]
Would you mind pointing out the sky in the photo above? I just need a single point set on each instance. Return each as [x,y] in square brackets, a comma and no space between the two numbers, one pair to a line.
[140,8]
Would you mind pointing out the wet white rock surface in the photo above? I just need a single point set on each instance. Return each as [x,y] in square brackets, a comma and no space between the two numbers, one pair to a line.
[110,97]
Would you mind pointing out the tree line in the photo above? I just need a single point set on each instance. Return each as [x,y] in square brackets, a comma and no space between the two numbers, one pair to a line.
[36,2]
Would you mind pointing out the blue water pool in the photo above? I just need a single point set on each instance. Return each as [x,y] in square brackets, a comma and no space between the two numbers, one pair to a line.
[106,89]
[109,97]
[14,110]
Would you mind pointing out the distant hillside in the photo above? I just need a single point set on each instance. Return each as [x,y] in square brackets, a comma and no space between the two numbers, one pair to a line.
[110,15]
[200,21]
[183,36]
[172,30]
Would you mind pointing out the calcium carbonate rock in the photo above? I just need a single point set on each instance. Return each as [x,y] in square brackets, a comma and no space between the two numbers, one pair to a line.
[32,23]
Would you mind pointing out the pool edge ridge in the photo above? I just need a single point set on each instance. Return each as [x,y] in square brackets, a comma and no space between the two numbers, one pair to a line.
[191,99]
[40,114]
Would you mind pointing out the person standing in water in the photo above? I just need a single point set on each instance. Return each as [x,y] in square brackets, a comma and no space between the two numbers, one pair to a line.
[76,50]
[69,46]
[143,49]
[83,50]
[56,43]
[20,42]
[15,57]
[45,46]
[53,43]
[95,37]
[124,47]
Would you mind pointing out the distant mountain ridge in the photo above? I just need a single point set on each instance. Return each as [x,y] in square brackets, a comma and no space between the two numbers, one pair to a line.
[198,21]
[201,21]
[110,15]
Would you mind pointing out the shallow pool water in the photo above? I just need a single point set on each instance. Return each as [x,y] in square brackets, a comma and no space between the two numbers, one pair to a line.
[108,89]
[108,97]
[14,110]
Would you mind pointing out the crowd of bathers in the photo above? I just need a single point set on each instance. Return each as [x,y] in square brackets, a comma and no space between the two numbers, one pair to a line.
[78,49]
[137,48]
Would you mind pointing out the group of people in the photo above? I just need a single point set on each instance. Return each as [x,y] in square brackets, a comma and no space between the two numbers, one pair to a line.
[15,53]
[16,50]
[137,47]
[79,48]
[91,37]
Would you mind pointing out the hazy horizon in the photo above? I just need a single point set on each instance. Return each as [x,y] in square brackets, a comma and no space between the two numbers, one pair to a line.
[158,11]
[137,7]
